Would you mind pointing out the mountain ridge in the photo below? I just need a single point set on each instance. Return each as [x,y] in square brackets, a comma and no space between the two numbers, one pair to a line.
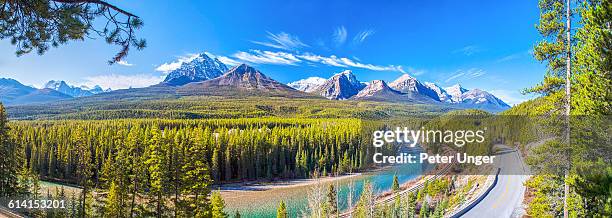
[341,86]
[241,80]
[245,80]
[74,91]
[201,68]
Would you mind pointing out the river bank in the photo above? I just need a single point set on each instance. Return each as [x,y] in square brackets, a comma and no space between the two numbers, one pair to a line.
[292,183]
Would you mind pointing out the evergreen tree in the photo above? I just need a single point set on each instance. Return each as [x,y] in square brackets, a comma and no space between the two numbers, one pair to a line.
[365,205]
[155,163]
[395,187]
[411,205]
[281,212]
[397,207]
[11,159]
[112,207]
[218,205]
[332,204]
[424,211]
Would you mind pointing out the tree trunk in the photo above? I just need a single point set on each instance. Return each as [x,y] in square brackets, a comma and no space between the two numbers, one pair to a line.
[83,213]
[134,193]
[567,105]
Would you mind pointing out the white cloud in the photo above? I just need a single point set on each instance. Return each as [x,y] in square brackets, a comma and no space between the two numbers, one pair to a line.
[468,50]
[117,81]
[267,57]
[284,41]
[346,62]
[124,63]
[466,74]
[475,72]
[339,36]
[228,61]
[362,36]
[415,72]
[511,97]
[455,76]
[167,67]
[283,58]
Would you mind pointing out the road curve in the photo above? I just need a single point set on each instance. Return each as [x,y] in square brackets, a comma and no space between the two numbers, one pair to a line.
[507,195]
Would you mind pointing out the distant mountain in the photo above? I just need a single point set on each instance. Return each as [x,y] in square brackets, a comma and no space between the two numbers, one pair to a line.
[96,89]
[377,90]
[13,92]
[407,84]
[477,98]
[40,96]
[456,92]
[202,77]
[64,88]
[199,69]
[341,86]
[442,94]
[11,89]
[240,80]
[82,91]
[309,84]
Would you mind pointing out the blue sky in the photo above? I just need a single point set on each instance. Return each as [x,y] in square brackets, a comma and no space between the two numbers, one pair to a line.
[479,44]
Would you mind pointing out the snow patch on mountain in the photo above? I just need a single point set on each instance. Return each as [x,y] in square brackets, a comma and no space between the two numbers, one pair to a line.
[309,84]
[442,94]
[456,92]
[372,88]
[484,99]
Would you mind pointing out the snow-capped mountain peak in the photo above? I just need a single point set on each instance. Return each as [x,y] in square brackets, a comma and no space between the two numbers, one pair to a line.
[483,99]
[409,84]
[343,85]
[350,77]
[442,94]
[405,77]
[97,89]
[309,84]
[74,91]
[373,88]
[199,69]
[456,91]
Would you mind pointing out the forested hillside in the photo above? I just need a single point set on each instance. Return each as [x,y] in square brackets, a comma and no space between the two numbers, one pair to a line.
[234,150]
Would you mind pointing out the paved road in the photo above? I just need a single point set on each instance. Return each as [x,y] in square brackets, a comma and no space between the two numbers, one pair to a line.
[507,195]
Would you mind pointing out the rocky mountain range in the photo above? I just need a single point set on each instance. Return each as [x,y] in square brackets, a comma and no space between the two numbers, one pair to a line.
[406,88]
[209,76]
[13,92]
[82,91]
